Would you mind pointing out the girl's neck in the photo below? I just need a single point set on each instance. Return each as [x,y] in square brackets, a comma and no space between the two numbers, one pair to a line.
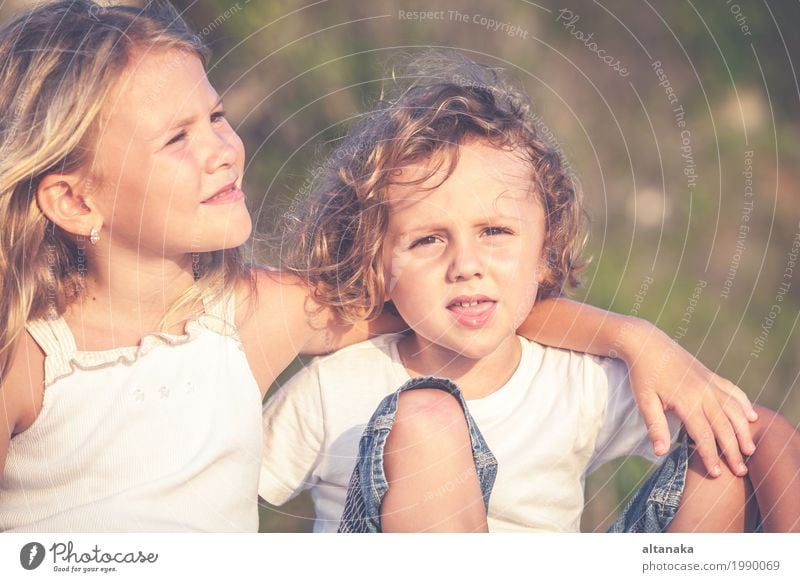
[140,285]
[475,377]
[126,300]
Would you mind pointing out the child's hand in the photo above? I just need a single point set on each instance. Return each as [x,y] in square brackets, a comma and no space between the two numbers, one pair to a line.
[666,377]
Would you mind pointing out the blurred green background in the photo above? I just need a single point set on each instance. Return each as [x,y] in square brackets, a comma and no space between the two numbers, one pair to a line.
[685,139]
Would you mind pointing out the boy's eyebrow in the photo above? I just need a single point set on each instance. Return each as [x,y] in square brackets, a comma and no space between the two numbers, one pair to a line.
[433,225]
[414,228]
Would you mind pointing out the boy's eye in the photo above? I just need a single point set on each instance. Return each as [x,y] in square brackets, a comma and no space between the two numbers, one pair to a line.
[496,230]
[178,137]
[217,116]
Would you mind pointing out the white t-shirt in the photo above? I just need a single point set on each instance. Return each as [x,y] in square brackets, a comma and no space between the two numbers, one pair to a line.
[560,416]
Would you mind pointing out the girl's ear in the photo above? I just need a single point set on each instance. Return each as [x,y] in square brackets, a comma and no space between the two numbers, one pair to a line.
[61,198]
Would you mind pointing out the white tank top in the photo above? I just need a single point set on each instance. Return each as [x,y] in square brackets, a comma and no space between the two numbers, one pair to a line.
[164,436]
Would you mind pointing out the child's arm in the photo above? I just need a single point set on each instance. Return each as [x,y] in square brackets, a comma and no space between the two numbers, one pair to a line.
[7,423]
[21,392]
[293,435]
[664,377]
[277,319]
[339,335]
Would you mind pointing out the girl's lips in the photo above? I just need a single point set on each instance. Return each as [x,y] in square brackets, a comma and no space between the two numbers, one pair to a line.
[474,313]
[226,196]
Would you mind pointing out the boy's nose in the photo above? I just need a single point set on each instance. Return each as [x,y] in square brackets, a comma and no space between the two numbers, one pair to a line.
[466,262]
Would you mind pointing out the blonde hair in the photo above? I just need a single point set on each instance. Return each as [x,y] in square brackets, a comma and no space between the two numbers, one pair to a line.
[58,63]
[335,235]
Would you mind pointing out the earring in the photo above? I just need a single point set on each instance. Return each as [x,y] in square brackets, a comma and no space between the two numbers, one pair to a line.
[94,236]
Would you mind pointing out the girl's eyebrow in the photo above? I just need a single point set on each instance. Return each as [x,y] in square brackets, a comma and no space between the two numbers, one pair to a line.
[189,119]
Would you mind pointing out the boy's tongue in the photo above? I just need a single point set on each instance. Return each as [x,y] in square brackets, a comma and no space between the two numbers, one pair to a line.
[472,312]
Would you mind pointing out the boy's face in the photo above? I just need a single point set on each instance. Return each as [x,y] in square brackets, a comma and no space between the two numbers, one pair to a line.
[462,260]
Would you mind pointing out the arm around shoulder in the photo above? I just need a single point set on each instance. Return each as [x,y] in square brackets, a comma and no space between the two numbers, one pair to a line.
[276,319]
[664,376]
[572,325]
[279,318]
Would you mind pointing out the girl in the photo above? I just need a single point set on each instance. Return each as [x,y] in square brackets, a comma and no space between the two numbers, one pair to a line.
[135,346]
[464,216]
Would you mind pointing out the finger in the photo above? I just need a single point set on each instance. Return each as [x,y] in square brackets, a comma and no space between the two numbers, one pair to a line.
[740,426]
[656,423]
[726,439]
[740,396]
[700,430]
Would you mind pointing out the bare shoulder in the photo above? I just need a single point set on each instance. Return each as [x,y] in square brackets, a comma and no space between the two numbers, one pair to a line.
[275,318]
[22,391]
[276,301]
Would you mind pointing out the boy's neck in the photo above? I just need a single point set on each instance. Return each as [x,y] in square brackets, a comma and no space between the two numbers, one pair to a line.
[475,378]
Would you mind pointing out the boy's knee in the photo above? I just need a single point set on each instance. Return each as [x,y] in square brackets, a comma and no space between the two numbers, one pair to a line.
[719,504]
[765,415]
[428,413]
[770,423]
[721,481]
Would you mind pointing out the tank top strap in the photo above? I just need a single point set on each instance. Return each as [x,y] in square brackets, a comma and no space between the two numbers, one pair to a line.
[52,335]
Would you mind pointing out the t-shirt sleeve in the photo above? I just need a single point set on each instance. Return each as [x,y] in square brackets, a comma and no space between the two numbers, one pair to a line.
[623,432]
[293,436]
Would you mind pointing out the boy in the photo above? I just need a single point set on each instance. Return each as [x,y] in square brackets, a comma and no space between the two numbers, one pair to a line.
[458,213]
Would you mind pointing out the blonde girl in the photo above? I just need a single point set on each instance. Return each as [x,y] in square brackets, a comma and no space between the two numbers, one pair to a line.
[135,345]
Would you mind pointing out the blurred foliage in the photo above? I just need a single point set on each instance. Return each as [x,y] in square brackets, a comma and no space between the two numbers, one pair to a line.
[294,74]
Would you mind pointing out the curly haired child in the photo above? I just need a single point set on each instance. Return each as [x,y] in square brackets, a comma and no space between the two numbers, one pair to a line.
[456,211]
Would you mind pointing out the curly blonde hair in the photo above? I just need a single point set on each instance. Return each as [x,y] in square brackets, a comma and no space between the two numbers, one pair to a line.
[58,63]
[335,235]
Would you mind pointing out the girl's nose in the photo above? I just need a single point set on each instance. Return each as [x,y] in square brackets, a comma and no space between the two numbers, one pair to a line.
[466,261]
[223,151]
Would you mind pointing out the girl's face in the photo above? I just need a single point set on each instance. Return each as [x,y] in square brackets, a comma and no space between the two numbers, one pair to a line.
[168,165]
[461,261]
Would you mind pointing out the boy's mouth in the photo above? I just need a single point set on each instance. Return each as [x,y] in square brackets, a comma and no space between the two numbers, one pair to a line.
[226,194]
[472,311]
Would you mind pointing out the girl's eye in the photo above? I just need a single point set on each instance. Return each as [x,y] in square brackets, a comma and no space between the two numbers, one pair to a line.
[179,137]
[425,240]
[217,116]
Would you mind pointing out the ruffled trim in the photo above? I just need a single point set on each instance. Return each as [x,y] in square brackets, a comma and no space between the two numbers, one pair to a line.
[63,358]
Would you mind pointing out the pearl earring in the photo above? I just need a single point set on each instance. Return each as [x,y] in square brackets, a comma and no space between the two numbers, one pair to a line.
[94,236]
